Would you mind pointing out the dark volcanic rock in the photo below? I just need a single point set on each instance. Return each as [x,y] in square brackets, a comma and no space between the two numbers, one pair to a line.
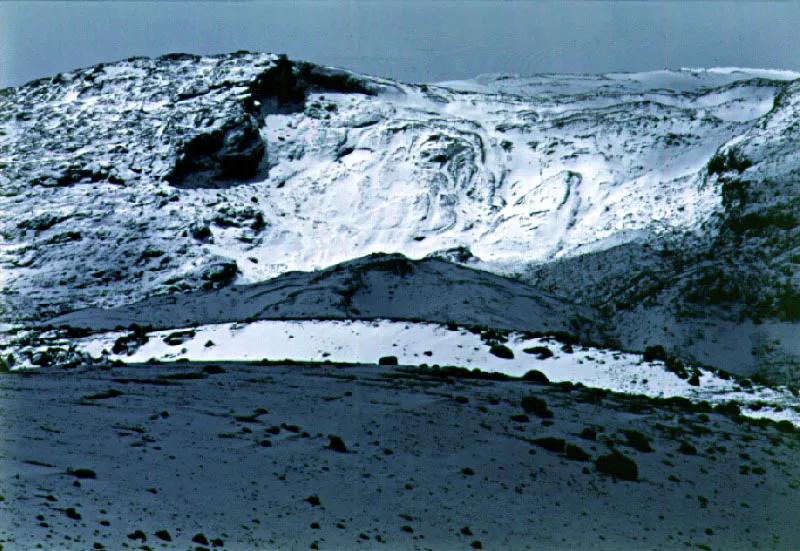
[537,406]
[618,465]
[229,153]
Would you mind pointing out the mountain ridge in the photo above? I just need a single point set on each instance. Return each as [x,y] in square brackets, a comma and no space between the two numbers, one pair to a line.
[670,196]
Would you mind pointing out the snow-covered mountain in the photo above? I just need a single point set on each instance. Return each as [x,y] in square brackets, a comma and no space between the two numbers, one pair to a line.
[650,198]
[569,284]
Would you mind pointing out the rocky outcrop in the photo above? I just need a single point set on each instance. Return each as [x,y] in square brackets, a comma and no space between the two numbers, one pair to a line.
[656,200]
[141,132]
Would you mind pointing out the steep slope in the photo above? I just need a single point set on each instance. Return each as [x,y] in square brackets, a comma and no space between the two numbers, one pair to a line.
[664,202]
[730,298]
[168,174]
[93,164]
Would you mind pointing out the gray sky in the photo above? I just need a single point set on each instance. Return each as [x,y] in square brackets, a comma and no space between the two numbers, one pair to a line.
[413,40]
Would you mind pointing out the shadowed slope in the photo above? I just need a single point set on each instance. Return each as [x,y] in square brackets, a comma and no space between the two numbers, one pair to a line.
[377,286]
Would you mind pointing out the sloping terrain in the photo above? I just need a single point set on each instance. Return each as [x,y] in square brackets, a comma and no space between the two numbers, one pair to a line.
[376,287]
[557,355]
[170,174]
[247,207]
[730,299]
[241,456]
[116,165]
[435,290]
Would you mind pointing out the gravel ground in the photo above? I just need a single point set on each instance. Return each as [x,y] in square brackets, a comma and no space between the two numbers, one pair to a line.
[194,456]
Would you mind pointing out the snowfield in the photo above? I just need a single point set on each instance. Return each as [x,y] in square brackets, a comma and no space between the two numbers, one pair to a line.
[518,170]
[358,342]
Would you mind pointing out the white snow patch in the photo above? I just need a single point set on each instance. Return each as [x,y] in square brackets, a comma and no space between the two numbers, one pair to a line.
[365,342]
[777,74]
[520,170]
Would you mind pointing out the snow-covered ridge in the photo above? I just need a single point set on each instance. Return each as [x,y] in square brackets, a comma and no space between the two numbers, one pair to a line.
[782,74]
[127,166]
[689,80]
[417,343]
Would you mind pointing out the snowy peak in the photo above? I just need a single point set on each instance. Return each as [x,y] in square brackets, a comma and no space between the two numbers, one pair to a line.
[78,126]
[160,119]
[171,174]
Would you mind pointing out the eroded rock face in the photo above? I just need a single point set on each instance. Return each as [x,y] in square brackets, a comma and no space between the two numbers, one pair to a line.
[233,152]
[182,172]
[95,165]
[132,121]
[88,160]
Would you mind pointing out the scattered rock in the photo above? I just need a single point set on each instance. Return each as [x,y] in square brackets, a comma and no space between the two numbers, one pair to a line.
[82,473]
[654,352]
[179,337]
[137,535]
[550,443]
[502,351]
[537,406]
[785,426]
[618,465]
[111,393]
[336,444]
[541,352]
[213,369]
[728,408]
[637,441]
[536,376]
[576,453]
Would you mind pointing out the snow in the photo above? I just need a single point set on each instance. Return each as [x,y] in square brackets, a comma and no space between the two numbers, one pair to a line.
[374,201]
[521,170]
[418,343]
[778,74]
